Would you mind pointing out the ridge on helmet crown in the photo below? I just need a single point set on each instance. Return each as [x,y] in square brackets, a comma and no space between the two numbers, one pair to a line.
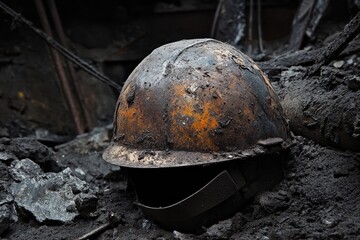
[195,102]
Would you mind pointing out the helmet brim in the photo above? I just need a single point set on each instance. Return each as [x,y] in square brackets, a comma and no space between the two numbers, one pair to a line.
[125,156]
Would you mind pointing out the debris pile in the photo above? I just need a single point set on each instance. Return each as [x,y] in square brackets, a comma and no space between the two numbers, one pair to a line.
[33,184]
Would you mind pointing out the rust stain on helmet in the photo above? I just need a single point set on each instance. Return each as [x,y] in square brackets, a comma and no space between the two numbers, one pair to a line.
[190,102]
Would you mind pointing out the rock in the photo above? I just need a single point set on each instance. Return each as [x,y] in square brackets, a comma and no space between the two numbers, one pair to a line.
[5,218]
[183,236]
[146,224]
[86,143]
[80,173]
[7,157]
[220,230]
[24,169]
[4,174]
[32,149]
[5,196]
[274,201]
[86,204]
[44,136]
[8,215]
[339,64]
[49,196]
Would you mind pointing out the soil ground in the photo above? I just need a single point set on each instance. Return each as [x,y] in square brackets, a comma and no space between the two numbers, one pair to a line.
[318,199]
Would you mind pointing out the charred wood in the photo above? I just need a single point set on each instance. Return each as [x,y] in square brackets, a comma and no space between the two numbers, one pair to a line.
[350,31]
[302,58]
[300,24]
[229,22]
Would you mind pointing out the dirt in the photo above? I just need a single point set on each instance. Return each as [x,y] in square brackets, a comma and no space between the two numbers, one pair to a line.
[326,108]
[318,199]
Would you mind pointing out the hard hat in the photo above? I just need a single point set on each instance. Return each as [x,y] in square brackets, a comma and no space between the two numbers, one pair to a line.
[198,112]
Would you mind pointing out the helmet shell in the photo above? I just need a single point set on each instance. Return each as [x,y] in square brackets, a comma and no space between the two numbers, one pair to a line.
[195,102]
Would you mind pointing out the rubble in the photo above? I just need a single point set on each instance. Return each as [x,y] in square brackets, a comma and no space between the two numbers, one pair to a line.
[48,196]
[30,148]
[7,157]
[24,169]
[86,204]
[5,218]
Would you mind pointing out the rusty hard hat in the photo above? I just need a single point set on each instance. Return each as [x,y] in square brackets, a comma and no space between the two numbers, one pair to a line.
[194,102]
[200,132]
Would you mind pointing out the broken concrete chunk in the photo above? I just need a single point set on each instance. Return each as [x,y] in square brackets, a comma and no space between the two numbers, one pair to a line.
[5,196]
[4,173]
[50,196]
[24,169]
[86,204]
[7,216]
[5,219]
[32,149]
[221,230]
[77,185]
[7,157]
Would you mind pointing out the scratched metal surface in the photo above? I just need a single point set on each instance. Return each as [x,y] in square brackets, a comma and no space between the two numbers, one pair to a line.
[190,102]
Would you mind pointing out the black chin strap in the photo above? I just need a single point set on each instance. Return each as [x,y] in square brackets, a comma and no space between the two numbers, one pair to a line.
[218,190]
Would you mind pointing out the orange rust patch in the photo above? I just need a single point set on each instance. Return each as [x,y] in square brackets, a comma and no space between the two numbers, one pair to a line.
[204,121]
[191,125]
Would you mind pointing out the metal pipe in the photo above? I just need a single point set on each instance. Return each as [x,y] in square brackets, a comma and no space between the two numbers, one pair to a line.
[250,26]
[71,100]
[261,46]
[60,32]
[216,19]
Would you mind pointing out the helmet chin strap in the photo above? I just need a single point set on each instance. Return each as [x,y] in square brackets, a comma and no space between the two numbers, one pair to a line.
[216,191]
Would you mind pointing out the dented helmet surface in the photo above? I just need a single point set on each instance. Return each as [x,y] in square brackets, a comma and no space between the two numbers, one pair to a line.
[195,102]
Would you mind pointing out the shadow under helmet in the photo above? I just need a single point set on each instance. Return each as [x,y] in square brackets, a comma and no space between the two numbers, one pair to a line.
[200,131]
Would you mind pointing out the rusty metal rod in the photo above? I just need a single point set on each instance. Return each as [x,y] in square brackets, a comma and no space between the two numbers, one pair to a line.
[112,222]
[60,32]
[261,46]
[251,26]
[58,47]
[71,99]
[214,26]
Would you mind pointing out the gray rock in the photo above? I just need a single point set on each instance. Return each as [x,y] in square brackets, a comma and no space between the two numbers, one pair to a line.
[80,173]
[339,64]
[32,149]
[7,216]
[7,157]
[5,196]
[86,204]
[5,219]
[221,230]
[4,173]
[24,169]
[49,196]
